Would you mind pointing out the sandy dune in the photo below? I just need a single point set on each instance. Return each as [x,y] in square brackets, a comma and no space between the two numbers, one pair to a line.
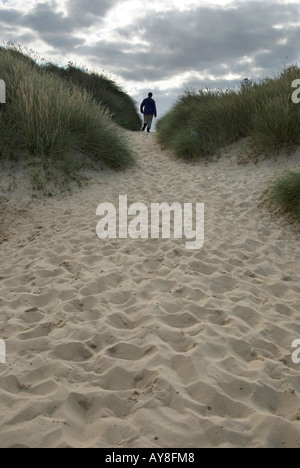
[142,343]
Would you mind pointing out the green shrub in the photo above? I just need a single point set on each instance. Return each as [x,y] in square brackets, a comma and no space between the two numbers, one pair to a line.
[285,193]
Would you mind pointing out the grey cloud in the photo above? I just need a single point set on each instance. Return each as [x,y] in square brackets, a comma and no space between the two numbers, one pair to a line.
[198,39]
[89,8]
[81,14]
[202,40]
[62,42]
[44,18]
[10,17]
[53,27]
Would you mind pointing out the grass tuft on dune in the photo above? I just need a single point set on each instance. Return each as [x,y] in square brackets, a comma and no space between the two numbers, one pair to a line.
[284,193]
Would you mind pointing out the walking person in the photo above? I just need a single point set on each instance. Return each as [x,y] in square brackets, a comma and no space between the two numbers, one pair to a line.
[148,108]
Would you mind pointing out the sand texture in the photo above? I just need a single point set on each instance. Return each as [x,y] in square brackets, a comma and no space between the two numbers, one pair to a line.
[143,343]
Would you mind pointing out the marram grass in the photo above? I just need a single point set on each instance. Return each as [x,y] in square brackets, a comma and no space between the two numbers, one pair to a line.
[104,91]
[284,193]
[46,119]
[202,122]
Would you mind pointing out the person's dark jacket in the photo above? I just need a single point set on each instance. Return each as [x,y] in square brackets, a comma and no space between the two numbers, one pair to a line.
[148,107]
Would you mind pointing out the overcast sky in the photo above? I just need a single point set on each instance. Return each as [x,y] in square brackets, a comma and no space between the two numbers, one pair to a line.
[164,46]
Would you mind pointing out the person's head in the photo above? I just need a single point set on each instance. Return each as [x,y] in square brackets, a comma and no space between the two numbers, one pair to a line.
[150,95]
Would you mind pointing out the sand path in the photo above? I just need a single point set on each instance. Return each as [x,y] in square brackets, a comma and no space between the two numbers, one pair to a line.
[142,343]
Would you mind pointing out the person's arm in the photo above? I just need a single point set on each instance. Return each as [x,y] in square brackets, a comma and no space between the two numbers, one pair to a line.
[142,106]
[155,111]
